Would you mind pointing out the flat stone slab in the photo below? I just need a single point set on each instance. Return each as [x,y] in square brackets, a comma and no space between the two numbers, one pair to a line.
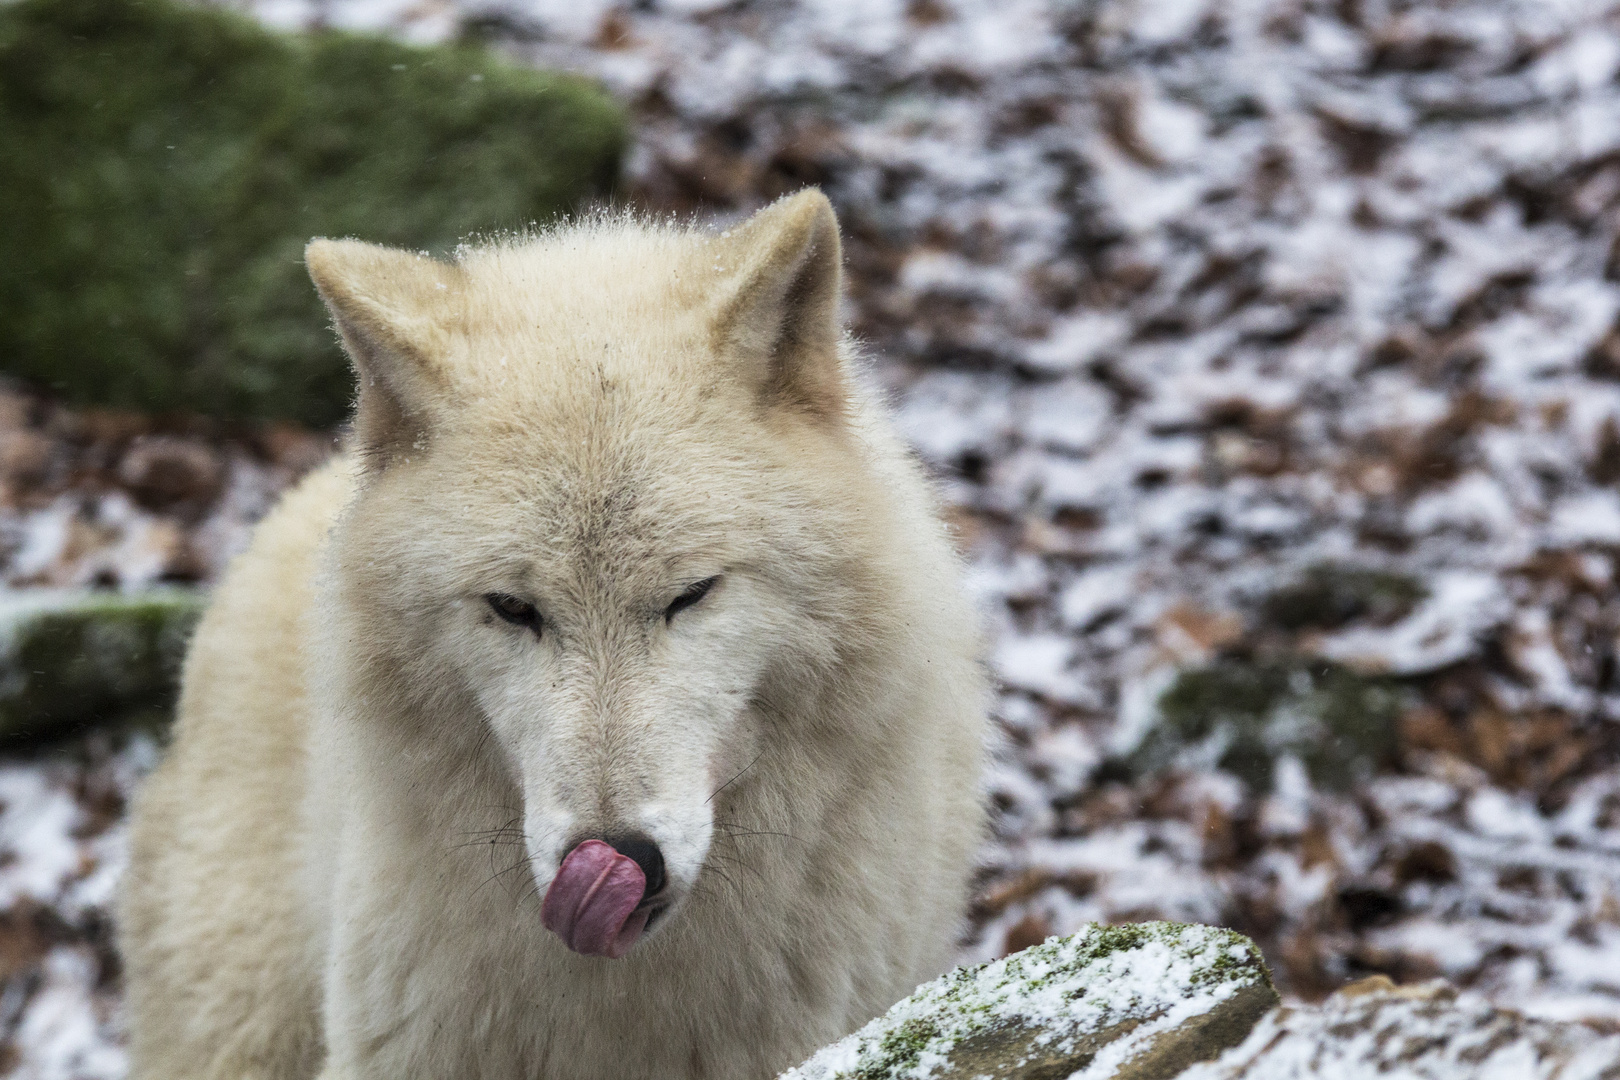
[1138,1002]
[1423,1032]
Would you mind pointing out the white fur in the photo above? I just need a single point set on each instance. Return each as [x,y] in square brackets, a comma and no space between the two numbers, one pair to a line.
[338,868]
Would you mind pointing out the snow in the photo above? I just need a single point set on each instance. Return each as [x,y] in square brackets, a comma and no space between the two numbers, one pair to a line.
[1040,664]
[1074,341]
[63,1032]
[38,815]
[1443,630]
[1104,590]
[63,846]
[1416,1034]
[1590,518]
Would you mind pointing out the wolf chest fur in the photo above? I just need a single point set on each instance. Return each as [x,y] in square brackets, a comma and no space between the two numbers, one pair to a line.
[609,709]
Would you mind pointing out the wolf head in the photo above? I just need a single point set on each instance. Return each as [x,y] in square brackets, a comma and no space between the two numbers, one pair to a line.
[604,543]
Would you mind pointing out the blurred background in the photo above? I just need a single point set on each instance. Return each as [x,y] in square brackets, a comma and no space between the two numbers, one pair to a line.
[1267,353]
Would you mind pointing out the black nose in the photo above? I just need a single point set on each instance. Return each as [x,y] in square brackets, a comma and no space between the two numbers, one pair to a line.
[646,855]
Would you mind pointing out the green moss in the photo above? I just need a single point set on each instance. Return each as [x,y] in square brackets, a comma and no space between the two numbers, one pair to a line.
[1241,716]
[1328,596]
[1099,943]
[73,660]
[162,167]
[899,1049]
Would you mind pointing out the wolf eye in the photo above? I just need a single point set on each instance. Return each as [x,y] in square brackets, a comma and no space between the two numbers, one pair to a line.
[692,595]
[515,611]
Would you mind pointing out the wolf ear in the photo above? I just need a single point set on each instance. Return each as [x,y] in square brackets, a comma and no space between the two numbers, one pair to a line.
[390,308]
[778,314]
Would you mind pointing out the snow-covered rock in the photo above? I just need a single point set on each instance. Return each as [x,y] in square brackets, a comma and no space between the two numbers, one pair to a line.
[1420,1032]
[1126,1002]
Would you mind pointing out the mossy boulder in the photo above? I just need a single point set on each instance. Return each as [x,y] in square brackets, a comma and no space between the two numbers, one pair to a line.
[162,166]
[1241,716]
[71,659]
[1137,1002]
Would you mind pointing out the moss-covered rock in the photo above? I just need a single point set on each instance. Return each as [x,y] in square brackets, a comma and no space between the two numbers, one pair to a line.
[162,166]
[1136,1002]
[1241,716]
[1327,596]
[71,659]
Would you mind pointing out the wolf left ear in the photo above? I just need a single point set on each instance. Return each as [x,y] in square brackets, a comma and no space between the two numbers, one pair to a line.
[779,314]
[391,309]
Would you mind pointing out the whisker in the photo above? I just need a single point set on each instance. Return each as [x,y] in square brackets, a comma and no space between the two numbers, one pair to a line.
[740,832]
[512,824]
[502,873]
[517,842]
[733,779]
[504,835]
[719,873]
[739,863]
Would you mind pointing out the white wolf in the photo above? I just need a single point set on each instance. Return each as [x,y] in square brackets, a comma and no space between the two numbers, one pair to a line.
[610,710]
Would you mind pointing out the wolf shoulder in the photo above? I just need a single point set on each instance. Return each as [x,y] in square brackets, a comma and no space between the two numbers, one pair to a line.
[252,641]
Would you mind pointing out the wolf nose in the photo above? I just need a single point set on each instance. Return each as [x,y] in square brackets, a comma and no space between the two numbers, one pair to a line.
[644,853]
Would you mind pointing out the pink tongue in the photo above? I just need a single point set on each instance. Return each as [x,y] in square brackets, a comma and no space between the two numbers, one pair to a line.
[592,901]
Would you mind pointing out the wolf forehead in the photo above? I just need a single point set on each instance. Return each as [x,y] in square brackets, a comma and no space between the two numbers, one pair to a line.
[599,310]
[613,309]
[612,383]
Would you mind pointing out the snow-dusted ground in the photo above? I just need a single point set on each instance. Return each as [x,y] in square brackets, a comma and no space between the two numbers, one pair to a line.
[62,849]
[1183,298]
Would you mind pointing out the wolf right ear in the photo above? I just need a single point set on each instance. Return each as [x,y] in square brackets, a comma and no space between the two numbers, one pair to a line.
[778,313]
[392,310]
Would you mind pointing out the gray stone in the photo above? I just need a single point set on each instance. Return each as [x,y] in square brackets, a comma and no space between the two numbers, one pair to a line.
[1140,1002]
[1422,1032]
